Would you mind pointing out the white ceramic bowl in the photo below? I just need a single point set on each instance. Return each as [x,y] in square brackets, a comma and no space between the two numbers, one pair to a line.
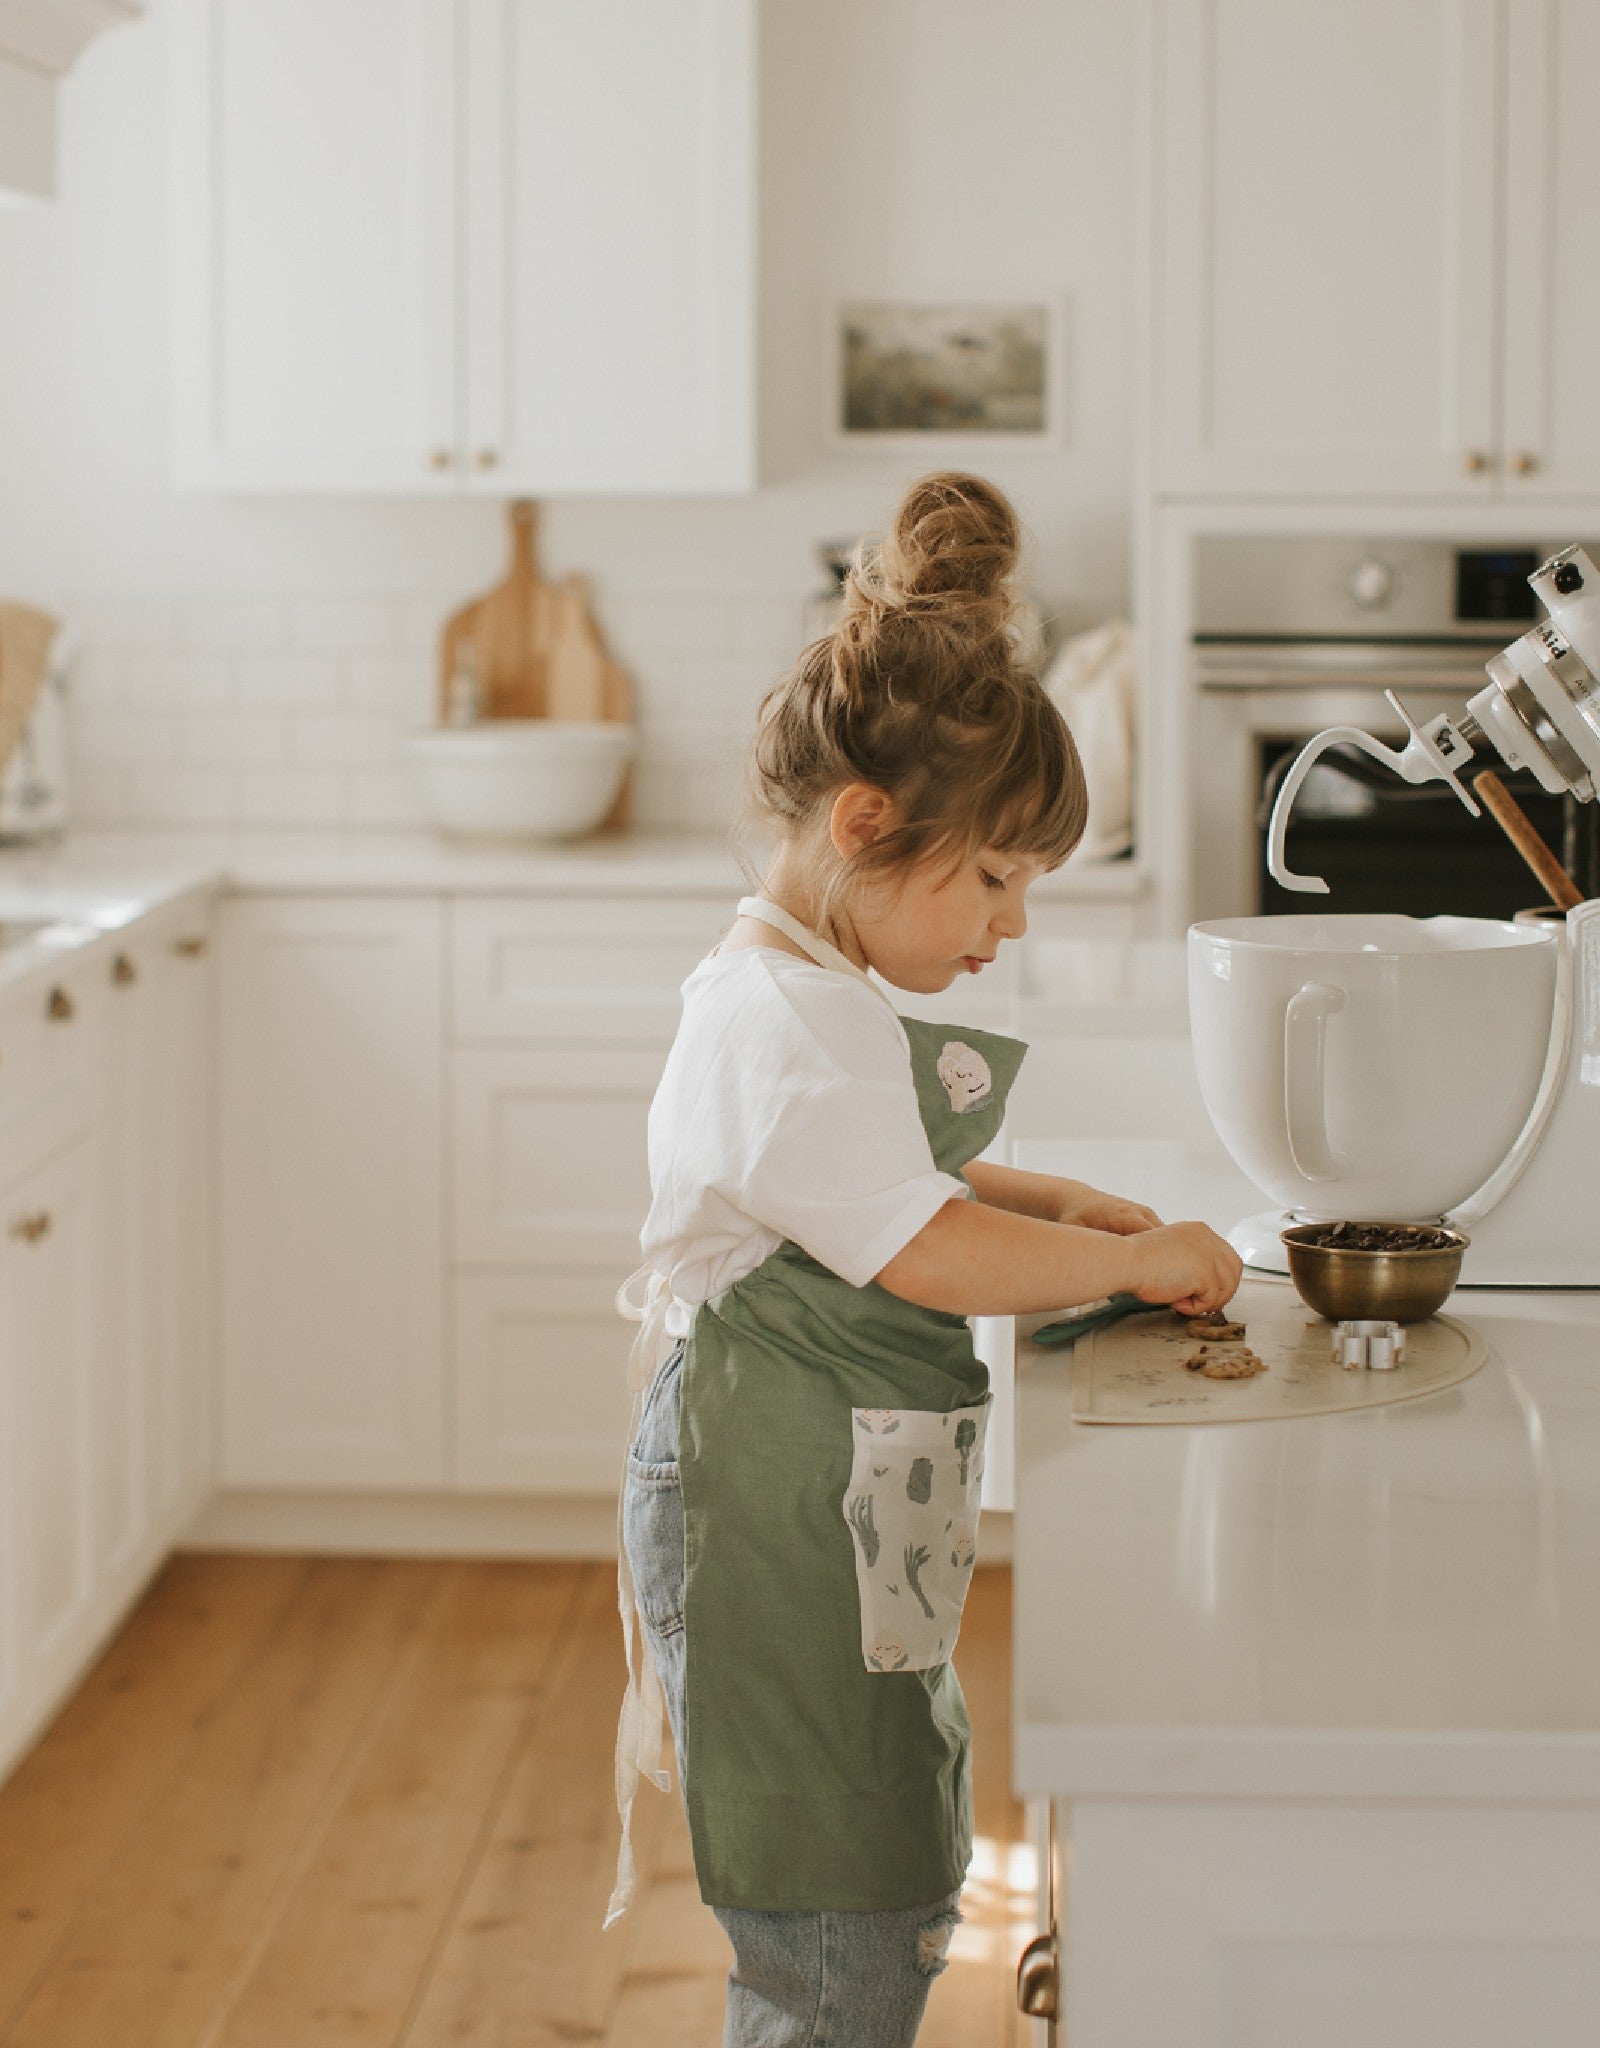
[1374,1068]
[519,778]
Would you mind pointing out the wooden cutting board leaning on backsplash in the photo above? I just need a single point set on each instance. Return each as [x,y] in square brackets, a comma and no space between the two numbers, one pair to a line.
[538,651]
[25,639]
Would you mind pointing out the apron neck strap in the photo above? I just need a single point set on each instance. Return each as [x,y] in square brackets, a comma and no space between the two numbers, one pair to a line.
[765,911]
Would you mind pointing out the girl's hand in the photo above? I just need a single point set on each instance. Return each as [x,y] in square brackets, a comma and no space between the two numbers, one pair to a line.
[1096,1211]
[1187,1265]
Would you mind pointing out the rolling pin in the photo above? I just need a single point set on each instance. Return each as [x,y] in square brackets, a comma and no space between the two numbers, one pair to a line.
[1518,827]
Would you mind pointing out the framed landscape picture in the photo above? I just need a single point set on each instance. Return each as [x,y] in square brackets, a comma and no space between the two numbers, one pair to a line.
[942,372]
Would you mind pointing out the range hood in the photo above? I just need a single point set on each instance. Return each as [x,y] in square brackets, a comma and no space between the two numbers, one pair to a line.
[39,43]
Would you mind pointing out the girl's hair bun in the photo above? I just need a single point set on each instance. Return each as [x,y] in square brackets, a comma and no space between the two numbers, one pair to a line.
[927,601]
[954,536]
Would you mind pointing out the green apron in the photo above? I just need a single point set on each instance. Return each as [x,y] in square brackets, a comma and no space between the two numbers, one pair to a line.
[831,1448]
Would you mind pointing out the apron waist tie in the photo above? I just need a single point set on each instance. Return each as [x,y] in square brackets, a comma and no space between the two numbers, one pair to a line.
[641,1723]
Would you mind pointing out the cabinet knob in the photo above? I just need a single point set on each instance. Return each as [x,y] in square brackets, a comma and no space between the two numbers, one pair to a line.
[60,1006]
[441,458]
[488,458]
[1039,1979]
[1524,462]
[189,948]
[123,971]
[1475,462]
[29,1229]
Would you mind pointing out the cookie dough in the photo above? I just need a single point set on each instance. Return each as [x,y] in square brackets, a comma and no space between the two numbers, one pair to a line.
[1241,1364]
[1232,1365]
[1216,1329]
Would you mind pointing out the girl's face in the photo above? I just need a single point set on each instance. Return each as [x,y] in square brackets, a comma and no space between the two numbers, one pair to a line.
[934,926]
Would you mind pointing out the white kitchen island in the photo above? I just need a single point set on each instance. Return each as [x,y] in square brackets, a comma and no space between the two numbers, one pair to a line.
[1315,1705]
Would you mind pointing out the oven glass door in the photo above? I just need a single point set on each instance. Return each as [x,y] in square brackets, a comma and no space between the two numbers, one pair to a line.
[1381,844]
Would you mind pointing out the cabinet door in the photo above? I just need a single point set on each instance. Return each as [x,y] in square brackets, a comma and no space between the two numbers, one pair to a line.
[610,222]
[331,1196]
[1552,251]
[550,1163]
[128,1436]
[541,1383]
[48,1292]
[177,1211]
[313,210]
[1323,257]
[582,970]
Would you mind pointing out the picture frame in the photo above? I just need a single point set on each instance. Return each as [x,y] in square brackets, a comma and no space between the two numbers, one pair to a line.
[945,372]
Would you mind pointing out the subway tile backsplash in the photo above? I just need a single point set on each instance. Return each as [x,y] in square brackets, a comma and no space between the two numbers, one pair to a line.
[286,711]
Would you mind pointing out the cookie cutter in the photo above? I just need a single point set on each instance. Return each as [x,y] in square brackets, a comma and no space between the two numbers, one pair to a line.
[1368,1346]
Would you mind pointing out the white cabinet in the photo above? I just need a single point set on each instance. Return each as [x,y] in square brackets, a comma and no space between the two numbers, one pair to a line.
[541,1382]
[331,1206]
[170,1234]
[314,243]
[550,1153]
[47,1343]
[1552,301]
[610,224]
[464,245]
[1373,263]
[562,1017]
[106,1354]
[1324,263]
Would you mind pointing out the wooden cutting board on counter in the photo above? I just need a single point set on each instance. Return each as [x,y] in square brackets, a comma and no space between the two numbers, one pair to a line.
[537,649]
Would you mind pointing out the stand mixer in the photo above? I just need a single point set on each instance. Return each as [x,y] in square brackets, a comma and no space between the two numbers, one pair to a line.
[1397,1069]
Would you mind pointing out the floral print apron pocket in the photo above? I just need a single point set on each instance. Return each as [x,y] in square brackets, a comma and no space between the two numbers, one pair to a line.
[912,1508]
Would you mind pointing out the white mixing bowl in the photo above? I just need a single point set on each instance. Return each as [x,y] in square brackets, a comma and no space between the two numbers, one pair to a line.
[519,778]
[1373,1067]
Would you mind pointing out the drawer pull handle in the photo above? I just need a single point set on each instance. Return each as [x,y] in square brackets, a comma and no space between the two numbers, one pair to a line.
[189,949]
[123,971]
[29,1229]
[1038,1978]
[60,1006]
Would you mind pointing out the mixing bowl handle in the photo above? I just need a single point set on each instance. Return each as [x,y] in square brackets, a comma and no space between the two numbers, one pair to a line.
[1305,1042]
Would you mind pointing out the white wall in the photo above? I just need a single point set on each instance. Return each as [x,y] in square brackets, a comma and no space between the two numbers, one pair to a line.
[254,658]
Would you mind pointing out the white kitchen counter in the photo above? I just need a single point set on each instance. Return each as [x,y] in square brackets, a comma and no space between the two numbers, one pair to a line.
[1311,1709]
[1401,1603]
[350,863]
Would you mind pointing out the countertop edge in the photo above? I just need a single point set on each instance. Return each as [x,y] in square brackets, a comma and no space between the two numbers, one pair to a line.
[1489,1767]
[401,864]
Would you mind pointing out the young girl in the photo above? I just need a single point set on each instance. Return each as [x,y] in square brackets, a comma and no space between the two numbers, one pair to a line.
[801,1505]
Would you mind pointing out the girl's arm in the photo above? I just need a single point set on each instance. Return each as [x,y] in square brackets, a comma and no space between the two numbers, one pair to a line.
[972,1259]
[1056,1201]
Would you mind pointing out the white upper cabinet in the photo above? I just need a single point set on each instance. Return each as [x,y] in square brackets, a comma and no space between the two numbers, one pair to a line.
[314,245]
[1552,430]
[609,272]
[493,246]
[1324,288]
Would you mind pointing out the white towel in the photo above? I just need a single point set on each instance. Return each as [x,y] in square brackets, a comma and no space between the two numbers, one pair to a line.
[1091,683]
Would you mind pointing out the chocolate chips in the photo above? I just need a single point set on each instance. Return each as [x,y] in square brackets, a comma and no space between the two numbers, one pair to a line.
[1379,1237]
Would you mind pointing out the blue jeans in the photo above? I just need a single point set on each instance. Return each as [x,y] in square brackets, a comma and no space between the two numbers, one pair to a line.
[799,1980]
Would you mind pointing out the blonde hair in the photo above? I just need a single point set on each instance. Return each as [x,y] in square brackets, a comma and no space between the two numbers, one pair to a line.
[921,691]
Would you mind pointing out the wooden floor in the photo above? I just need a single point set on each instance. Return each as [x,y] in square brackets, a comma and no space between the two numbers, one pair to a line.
[359,1803]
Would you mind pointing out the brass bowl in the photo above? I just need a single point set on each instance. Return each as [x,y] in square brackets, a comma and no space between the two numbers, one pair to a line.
[1350,1286]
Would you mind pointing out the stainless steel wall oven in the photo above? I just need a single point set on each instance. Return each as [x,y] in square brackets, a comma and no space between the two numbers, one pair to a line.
[1294,634]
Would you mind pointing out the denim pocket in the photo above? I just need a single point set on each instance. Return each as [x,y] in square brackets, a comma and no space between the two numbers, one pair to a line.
[652,1506]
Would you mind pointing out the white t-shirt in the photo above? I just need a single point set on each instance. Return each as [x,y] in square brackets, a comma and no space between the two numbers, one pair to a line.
[787,1110]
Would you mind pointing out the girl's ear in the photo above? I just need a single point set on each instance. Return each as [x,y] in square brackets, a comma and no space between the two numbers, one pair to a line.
[860,812]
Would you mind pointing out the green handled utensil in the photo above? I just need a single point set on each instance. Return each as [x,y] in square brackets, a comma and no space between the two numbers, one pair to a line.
[1090,1316]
